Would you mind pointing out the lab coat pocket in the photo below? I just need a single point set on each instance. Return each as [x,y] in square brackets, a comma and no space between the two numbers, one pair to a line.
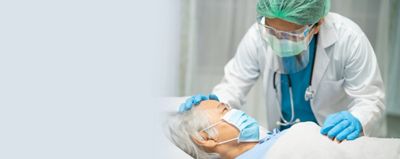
[334,86]
[332,97]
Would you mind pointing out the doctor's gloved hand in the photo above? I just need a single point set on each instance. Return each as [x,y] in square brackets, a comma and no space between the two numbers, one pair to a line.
[195,100]
[342,125]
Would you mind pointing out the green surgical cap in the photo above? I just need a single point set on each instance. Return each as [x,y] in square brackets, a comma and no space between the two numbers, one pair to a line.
[302,12]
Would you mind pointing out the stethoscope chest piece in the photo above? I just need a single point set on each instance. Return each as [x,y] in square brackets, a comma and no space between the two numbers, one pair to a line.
[309,94]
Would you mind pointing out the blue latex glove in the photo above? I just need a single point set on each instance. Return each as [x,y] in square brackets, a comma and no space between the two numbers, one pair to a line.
[342,125]
[195,100]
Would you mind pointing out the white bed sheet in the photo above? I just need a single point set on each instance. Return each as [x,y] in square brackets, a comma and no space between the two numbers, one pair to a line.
[304,140]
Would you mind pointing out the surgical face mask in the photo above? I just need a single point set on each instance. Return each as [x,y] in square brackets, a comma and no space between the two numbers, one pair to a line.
[249,130]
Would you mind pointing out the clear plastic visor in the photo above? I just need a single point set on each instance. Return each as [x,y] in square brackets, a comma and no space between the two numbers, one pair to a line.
[290,49]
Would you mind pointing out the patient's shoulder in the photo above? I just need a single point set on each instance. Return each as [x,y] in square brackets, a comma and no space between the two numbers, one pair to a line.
[308,125]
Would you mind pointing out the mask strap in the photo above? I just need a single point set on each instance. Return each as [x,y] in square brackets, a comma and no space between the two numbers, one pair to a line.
[226,141]
[212,125]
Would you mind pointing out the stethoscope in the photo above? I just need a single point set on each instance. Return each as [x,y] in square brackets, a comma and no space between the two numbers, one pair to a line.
[308,95]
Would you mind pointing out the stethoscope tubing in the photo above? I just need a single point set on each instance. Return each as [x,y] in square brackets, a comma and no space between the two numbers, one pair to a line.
[292,121]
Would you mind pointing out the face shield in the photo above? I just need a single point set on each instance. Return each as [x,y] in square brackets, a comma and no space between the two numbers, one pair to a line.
[290,49]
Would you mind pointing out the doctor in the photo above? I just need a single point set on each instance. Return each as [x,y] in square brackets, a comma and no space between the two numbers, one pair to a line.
[315,66]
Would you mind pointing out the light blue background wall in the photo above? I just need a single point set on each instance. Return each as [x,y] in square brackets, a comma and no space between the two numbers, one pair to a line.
[77,77]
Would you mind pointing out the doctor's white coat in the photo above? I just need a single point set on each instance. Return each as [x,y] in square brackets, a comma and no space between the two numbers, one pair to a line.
[346,75]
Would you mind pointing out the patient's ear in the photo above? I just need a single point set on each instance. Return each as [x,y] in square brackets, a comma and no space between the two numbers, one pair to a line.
[207,144]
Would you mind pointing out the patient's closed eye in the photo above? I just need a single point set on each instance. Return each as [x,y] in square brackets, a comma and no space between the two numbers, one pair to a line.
[223,108]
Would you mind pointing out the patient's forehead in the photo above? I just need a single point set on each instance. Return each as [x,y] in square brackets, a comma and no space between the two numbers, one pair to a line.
[208,104]
[213,109]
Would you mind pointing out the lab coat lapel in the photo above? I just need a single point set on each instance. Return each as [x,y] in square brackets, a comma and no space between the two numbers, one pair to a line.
[327,37]
[320,66]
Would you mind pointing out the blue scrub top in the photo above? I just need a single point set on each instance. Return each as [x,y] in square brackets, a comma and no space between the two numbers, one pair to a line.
[300,81]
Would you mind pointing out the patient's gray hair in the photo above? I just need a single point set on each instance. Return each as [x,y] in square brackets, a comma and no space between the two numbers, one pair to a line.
[183,125]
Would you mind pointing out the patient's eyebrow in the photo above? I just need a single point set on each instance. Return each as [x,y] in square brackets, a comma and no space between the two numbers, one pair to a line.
[219,105]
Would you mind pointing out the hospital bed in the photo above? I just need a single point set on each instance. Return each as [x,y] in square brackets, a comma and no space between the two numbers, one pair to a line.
[171,104]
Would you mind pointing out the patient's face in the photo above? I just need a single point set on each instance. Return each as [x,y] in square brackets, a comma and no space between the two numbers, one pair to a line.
[216,111]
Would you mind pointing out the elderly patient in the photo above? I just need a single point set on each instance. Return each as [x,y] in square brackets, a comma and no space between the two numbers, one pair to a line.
[214,130]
